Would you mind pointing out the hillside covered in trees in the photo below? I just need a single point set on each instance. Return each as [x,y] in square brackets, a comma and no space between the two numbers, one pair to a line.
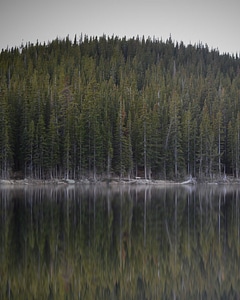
[109,106]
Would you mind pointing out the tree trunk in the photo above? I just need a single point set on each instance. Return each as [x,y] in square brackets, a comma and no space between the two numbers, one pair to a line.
[145,149]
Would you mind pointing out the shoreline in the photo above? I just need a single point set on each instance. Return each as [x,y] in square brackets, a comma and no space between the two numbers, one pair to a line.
[28,181]
[114,181]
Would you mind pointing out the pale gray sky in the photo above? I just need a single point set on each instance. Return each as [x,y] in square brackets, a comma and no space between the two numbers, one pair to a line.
[212,22]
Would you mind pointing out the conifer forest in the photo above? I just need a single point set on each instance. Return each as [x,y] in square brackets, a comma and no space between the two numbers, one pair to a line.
[108,106]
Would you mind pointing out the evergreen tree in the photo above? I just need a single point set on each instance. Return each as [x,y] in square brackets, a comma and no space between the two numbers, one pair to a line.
[110,106]
[53,146]
[5,141]
[40,151]
[92,128]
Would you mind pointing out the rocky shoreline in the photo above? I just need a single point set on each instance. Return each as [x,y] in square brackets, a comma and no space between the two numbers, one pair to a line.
[29,181]
[113,181]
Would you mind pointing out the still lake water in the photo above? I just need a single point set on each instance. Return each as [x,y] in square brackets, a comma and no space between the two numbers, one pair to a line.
[99,242]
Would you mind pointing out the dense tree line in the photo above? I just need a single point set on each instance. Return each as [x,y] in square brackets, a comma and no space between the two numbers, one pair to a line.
[128,107]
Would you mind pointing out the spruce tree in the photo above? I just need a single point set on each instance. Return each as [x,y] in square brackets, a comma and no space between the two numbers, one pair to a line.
[5,131]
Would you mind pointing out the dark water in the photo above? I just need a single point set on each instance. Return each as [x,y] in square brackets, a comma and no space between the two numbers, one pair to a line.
[95,242]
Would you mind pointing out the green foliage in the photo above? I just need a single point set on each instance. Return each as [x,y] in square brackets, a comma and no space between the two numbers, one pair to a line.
[5,133]
[115,106]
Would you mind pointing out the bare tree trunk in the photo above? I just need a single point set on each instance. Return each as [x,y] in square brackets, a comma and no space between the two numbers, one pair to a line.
[145,149]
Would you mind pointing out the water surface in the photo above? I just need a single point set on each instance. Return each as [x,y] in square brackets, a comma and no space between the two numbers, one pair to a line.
[99,242]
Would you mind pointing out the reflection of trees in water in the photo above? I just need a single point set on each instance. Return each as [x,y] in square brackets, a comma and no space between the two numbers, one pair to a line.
[123,242]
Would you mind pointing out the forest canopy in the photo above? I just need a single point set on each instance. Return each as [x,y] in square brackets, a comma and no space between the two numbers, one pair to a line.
[109,106]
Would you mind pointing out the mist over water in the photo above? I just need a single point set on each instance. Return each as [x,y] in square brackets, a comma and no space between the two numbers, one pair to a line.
[122,242]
